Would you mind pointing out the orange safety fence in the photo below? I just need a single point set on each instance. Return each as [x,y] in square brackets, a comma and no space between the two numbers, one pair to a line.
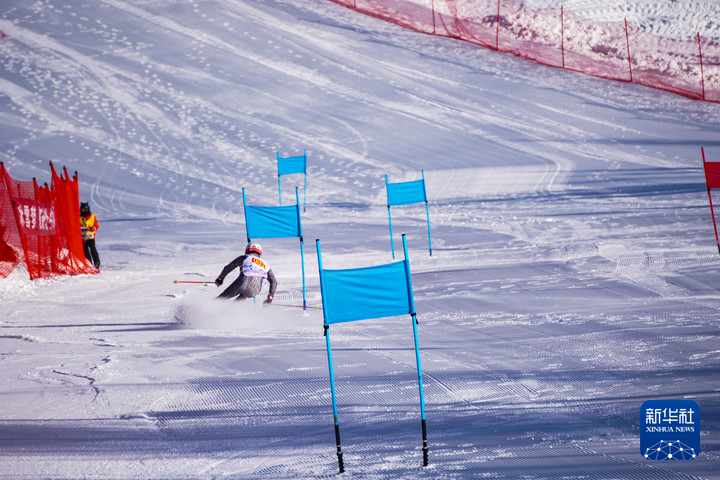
[40,227]
[559,38]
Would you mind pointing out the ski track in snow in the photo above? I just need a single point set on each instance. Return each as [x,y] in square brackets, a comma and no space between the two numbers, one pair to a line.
[573,273]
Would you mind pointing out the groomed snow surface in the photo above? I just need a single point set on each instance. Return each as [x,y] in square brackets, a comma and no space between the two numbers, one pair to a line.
[574,272]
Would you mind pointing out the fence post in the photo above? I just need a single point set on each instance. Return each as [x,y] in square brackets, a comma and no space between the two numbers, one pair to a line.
[702,73]
[497,29]
[433,15]
[562,34]
[627,42]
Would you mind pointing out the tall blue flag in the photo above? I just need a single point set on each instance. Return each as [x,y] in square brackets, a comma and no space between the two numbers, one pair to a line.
[405,193]
[276,222]
[290,165]
[364,293]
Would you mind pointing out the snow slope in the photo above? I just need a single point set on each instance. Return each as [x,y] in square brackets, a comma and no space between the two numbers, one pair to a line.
[572,278]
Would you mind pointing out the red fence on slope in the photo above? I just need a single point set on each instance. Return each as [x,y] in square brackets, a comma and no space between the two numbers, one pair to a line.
[40,226]
[558,38]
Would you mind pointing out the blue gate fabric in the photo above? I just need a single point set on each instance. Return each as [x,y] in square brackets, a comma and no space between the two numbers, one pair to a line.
[405,193]
[288,165]
[272,222]
[363,293]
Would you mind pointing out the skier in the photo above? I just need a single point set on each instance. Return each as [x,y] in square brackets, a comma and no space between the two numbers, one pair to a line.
[89,225]
[253,272]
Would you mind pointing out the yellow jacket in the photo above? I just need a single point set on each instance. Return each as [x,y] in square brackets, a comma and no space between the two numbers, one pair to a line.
[89,226]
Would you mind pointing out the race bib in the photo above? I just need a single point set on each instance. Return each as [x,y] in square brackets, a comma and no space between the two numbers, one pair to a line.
[254,267]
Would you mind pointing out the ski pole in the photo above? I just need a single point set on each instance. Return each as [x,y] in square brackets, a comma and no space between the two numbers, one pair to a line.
[296,306]
[189,281]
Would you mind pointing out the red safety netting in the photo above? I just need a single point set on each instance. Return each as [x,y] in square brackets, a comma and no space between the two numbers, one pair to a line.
[712,177]
[67,197]
[559,38]
[416,15]
[11,249]
[40,227]
[712,174]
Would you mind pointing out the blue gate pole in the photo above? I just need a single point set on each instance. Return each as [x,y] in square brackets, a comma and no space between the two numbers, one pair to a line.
[392,244]
[341,466]
[247,233]
[413,316]
[427,212]
[305,188]
[302,248]
[330,365]
[279,183]
[302,260]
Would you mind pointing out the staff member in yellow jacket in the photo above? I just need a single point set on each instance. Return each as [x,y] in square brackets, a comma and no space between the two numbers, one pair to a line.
[89,225]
